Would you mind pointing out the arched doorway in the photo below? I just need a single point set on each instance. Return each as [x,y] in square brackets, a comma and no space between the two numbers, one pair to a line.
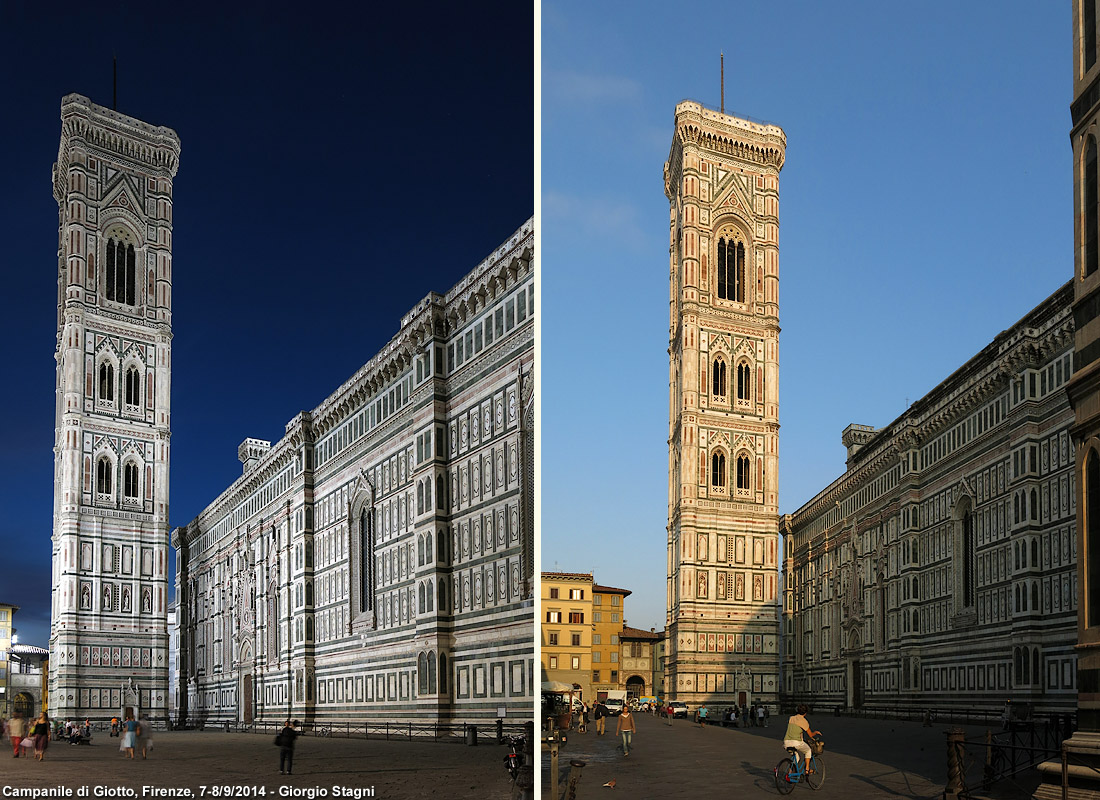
[245,691]
[635,686]
[855,671]
[23,704]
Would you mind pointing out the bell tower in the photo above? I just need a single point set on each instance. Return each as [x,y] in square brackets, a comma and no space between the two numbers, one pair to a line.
[722,182]
[109,636]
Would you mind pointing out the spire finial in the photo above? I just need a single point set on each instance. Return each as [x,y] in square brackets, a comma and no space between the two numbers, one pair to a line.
[722,60]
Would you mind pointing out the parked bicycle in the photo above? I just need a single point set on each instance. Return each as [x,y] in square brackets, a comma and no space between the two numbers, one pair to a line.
[324,731]
[514,760]
[792,770]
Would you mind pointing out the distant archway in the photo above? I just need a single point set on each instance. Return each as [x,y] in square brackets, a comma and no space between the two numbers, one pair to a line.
[23,704]
[635,686]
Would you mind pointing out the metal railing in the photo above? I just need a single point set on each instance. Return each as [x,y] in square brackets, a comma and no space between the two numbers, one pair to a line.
[1000,756]
[462,732]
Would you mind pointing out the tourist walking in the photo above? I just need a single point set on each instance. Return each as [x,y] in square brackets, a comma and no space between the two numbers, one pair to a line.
[760,718]
[285,740]
[114,726]
[584,717]
[130,730]
[41,736]
[626,729]
[17,729]
[703,715]
[669,713]
[145,737]
[600,714]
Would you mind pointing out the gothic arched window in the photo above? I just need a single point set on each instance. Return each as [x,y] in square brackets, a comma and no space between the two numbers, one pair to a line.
[967,558]
[718,378]
[130,480]
[742,472]
[366,561]
[133,387]
[718,470]
[107,381]
[1092,239]
[731,270]
[103,480]
[121,272]
[1092,537]
[744,381]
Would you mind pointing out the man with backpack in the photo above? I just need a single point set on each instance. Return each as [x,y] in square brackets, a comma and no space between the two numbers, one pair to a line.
[285,742]
[601,715]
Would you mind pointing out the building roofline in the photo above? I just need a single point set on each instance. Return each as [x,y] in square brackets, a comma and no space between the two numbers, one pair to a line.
[610,590]
[566,575]
[639,633]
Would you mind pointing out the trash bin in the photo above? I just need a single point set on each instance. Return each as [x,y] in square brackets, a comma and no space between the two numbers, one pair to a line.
[227,726]
[471,735]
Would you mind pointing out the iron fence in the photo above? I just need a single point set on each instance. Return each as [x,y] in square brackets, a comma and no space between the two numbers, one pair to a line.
[977,764]
[464,732]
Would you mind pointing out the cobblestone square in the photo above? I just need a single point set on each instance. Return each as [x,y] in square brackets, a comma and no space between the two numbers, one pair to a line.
[393,770]
[864,758]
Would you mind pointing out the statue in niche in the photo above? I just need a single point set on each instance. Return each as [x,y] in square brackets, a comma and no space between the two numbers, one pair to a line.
[702,585]
[86,598]
[739,587]
[146,604]
[125,599]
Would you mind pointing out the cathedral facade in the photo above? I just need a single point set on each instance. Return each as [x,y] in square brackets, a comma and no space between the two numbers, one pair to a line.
[108,638]
[940,569]
[377,562]
[722,183]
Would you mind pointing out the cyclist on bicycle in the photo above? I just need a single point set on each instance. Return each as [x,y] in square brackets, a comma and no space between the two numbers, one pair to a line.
[797,725]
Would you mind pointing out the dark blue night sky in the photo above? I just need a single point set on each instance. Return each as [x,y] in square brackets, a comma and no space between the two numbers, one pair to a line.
[337,164]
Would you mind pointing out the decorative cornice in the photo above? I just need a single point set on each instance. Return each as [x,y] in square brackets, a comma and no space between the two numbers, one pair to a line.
[753,142]
[139,142]
[1045,330]
[433,317]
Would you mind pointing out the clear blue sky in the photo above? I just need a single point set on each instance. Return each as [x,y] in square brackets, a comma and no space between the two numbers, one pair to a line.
[925,205]
[339,161]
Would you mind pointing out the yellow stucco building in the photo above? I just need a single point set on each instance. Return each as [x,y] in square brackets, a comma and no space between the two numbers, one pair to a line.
[6,630]
[567,606]
[607,628]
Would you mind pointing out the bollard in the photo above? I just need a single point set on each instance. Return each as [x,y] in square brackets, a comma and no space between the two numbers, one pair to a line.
[987,771]
[526,781]
[954,785]
[471,736]
[575,768]
[553,742]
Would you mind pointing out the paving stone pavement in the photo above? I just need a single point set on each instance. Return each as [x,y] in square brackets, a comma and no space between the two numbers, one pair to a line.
[865,759]
[396,770]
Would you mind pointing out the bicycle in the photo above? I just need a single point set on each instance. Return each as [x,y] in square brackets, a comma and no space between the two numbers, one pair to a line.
[514,760]
[324,731]
[792,770]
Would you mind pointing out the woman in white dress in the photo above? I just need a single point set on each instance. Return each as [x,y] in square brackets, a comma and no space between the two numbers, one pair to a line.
[131,729]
